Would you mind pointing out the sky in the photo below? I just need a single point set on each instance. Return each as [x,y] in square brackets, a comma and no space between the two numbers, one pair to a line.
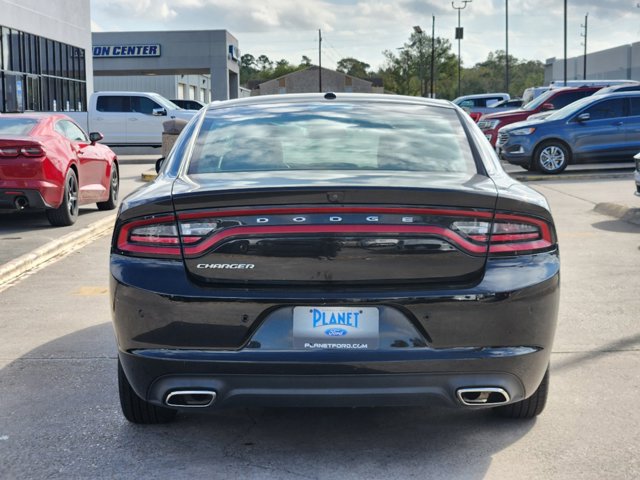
[363,29]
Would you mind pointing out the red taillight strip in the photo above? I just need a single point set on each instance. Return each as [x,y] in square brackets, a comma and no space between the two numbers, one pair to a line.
[197,250]
[369,210]
[156,241]
[519,247]
[512,237]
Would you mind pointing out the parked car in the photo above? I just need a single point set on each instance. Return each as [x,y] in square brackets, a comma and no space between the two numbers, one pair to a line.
[588,83]
[532,93]
[501,106]
[129,118]
[481,102]
[624,87]
[593,129]
[48,162]
[550,100]
[636,174]
[188,104]
[333,250]
[510,104]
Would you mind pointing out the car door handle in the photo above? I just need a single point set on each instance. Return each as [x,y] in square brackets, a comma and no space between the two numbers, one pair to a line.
[133,119]
[619,124]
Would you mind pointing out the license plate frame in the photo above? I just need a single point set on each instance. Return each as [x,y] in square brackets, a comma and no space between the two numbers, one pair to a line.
[336,328]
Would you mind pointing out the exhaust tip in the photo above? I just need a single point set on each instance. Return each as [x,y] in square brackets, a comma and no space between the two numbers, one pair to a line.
[482,396]
[191,398]
[21,203]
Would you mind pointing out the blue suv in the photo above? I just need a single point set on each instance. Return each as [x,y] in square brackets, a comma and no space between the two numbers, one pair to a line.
[593,129]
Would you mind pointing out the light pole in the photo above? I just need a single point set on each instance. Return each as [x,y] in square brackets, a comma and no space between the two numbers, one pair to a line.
[459,34]
[584,57]
[433,56]
[506,34]
[418,31]
[565,43]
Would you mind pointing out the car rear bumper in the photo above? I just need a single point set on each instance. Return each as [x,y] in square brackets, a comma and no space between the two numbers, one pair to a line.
[434,382]
[15,198]
[177,335]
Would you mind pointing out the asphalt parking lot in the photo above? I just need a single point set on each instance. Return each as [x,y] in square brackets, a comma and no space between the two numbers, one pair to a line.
[60,416]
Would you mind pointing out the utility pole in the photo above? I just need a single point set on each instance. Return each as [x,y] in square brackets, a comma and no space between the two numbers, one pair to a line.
[459,34]
[320,60]
[584,57]
[506,34]
[565,43]
[418,30]
[433,55]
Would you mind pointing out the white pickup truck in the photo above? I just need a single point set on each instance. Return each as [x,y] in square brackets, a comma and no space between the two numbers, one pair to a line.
[129,118]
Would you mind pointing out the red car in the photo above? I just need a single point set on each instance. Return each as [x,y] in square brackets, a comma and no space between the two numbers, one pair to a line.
[47,161]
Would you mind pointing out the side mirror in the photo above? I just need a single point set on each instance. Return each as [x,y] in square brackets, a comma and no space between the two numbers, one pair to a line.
[548,106]
[159,112]
[159,164]
[95,137]
[583,117]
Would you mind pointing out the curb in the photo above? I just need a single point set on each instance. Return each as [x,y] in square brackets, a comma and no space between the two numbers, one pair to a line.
[149,175]
[56,248]
[622,212]
[574,176]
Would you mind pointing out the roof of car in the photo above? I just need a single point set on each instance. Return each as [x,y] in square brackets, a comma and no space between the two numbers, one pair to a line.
[329,97]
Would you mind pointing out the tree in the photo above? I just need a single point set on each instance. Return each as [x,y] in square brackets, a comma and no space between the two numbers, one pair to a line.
[247,68]
[489,76]
[264,63]
[354,67]
[408,72]
[305,62]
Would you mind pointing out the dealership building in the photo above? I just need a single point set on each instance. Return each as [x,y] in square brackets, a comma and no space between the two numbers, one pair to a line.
[46,59]
[198,65]
[50,60]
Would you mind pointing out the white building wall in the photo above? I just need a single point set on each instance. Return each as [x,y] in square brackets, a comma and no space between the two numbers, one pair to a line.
[169,86]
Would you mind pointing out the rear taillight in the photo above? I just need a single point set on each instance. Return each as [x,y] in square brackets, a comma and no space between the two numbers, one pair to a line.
[508,234]
[193,234]
[158,236]
[153,236]
[25,151]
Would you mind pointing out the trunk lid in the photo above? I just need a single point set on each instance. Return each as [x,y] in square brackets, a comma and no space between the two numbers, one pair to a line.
[332,229]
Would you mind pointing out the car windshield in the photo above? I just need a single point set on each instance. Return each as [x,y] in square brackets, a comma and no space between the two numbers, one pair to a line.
[336,136]
[16,126]
[536,102]
[570,109]
[165,102]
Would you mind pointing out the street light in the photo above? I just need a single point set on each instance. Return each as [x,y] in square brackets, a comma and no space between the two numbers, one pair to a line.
[459,34]
[418,30]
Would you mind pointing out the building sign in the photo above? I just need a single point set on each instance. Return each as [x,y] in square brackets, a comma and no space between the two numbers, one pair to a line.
[234,54]
[109,51]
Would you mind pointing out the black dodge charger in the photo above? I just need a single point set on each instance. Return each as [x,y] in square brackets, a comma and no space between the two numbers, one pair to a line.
[333,250]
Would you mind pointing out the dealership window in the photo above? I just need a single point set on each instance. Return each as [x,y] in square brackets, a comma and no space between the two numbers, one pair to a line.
[37,73]
[192,92]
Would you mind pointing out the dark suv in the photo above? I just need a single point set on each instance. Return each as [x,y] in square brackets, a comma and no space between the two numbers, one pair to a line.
[551,100]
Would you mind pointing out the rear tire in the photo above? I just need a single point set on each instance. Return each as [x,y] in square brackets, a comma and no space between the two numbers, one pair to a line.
[114,187]
[551,157]
[530,407]
[137,410]
[67,213]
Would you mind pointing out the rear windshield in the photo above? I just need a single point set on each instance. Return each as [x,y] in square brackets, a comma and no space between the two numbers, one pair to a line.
[336,136]
[16,126]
